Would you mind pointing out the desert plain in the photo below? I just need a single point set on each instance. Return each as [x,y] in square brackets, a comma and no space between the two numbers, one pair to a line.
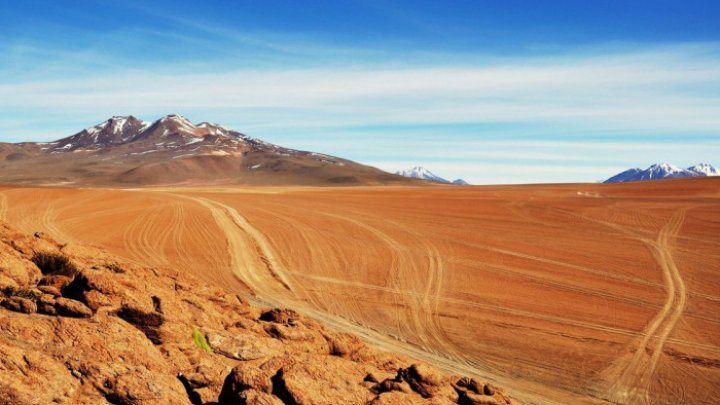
[574,293]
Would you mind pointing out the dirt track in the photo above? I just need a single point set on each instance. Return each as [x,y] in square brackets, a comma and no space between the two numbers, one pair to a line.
[633,384]
[563,294]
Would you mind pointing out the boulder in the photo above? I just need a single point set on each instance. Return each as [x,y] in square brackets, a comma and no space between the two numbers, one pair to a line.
[19,304]
[243,378]
[252,397]
[72,308]
[243,348]
[141,386]
[148,322]
[473,392]
[15,271]
[49,289]
[316,380]
[58,281]
[283,316]
[393,384]
[343,344]
[46,304]
[424,380]
[473,398]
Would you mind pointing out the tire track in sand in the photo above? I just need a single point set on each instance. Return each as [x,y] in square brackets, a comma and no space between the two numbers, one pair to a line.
[247,249]
[244,258]
[250,245]
[50,219]
[421,309]
[318,258]
[632,385]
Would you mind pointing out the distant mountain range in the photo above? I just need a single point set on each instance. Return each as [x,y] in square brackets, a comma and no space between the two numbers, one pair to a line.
[663,171]
[419,172]
[125,150]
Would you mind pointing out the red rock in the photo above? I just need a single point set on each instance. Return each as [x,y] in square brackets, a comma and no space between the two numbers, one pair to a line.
[283,316]
[48,289]
[46,304]
[56,281]
[19,304]
[424,380]
[68,307]
[259,357]
[243,347]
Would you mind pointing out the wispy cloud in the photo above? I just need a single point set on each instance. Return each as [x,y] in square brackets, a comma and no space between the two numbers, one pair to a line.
[662,93]
[652,91]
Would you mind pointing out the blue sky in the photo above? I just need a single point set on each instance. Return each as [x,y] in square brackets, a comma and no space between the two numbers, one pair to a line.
[492,91]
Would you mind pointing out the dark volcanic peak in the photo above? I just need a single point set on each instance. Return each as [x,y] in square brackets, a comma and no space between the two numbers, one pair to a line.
[174,130]
[114,131]
[169,125]
[125,150]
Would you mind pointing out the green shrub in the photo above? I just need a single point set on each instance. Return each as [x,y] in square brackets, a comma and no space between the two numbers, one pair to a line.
[51,263]
[200,340]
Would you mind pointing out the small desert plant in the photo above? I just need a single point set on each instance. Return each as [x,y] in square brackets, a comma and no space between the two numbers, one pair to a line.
[51,263]
[200,340]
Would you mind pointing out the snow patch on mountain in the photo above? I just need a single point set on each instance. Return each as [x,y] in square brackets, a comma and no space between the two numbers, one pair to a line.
[419,172]
[704,169]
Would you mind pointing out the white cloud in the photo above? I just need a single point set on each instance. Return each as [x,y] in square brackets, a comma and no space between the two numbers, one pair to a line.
[649,91]
[659,93]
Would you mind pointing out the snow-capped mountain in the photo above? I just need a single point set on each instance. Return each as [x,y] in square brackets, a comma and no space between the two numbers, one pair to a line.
[115,131]
[419,172]
[704,169]
[663,171]
[170,132]
[125,150]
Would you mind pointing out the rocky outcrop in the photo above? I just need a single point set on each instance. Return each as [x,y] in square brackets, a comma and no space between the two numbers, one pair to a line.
[68,307]
[472,392]
[91,329]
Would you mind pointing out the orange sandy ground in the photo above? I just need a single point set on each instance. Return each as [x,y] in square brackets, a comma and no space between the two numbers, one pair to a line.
[578,293]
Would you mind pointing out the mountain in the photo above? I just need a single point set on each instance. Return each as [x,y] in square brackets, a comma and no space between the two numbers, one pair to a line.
[704,169]
[419,172]
[125,150]
[663,171]
[115,131]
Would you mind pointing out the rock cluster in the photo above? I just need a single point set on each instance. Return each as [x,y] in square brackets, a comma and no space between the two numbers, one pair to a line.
[90,329]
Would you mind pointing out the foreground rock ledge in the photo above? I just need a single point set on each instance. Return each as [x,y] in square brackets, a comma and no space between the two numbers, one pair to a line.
[78,326]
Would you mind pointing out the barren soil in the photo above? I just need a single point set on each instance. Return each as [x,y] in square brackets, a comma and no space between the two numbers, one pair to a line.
[560,293]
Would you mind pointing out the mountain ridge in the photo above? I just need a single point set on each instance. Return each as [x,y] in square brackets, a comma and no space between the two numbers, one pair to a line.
[663,170]
[420,172]
[172,150]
